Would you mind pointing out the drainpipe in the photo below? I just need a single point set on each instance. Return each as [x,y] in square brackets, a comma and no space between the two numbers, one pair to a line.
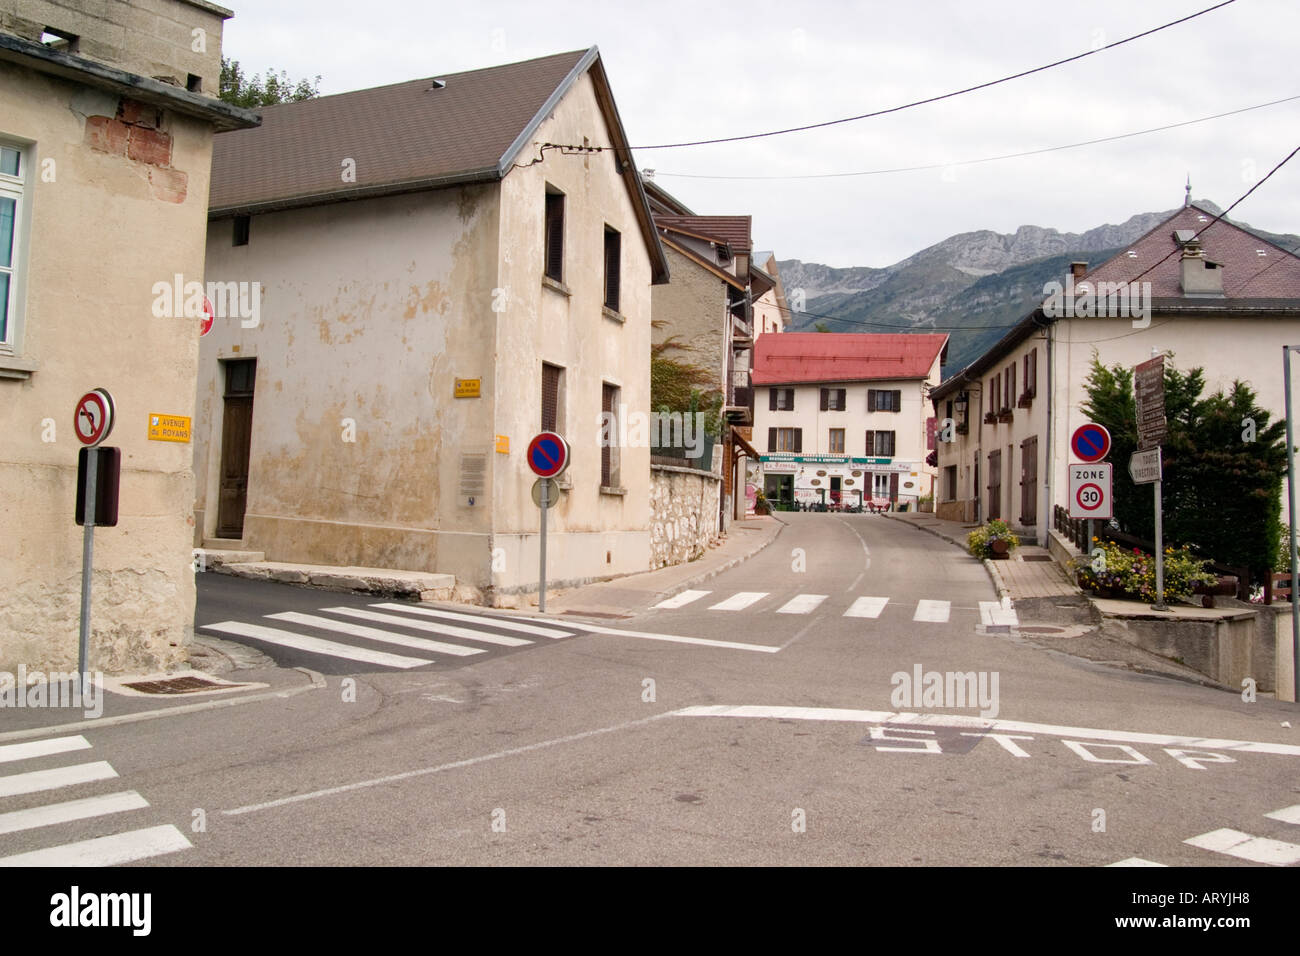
[1051,448]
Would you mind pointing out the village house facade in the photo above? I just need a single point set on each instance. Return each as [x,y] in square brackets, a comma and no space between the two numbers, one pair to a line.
[842,418]
[438,284]
[107,115]
[1220,298]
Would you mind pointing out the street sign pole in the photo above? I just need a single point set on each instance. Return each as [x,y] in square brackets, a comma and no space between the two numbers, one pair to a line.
[87,562]
[541,573]
[1290,493]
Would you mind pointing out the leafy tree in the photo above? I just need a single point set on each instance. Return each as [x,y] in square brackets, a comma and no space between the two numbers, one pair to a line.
[1223,466]
[679,386]
[237,90]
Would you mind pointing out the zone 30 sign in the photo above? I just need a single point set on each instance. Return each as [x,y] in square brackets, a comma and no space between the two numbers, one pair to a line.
[1090,491]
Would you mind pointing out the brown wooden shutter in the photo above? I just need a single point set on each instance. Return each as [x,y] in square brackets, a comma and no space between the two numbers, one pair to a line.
[798,441]
[898,400]
[893,445]
[842,398]
[771,439]
[1031,378]
[789,400]
[871,443]
[555,236]
[771,399]
[1011,385]
[825,397]
[613,258]
[550,398]
[893,485]
[607,394]
[1029,481]
[871,399]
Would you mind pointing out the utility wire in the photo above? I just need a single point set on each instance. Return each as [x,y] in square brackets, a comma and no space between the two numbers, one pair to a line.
[942,96]
[985,159]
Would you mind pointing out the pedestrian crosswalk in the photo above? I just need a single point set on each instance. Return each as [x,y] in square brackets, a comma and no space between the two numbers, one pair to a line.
[926,610]
[388,634]
[20,822]
[1242,846]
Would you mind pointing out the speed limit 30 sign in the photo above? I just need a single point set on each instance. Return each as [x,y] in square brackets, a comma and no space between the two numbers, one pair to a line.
[1090,491]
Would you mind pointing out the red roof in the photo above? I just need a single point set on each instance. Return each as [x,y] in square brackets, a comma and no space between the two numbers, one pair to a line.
[733,230]
[794,357]
[1246,273]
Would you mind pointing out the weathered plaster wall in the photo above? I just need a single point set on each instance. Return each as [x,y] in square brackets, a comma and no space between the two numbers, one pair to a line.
[98,236]
[594,534]
[693,309]
[685,507]
[369,312]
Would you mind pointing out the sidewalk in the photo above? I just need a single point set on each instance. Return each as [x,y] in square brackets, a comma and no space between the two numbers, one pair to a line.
[625,596]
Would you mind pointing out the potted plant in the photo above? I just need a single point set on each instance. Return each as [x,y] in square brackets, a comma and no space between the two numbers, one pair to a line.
[993,540]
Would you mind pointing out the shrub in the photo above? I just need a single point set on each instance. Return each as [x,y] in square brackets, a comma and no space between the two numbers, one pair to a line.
[980,541]
[1132,572]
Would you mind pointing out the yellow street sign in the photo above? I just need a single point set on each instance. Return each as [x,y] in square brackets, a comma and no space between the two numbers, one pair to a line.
[503,444]
[468,387]
[168,427]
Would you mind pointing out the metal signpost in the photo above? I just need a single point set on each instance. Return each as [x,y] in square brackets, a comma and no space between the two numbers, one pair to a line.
[548,456]
[1090,442]
[92,421]
[1149,386]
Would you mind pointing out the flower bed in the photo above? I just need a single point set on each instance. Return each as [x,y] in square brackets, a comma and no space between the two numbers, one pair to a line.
[1112,571]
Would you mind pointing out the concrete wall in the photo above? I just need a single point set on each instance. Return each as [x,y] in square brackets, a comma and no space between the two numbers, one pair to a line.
[369,312]
[162,39]
[99,228]
[685,506]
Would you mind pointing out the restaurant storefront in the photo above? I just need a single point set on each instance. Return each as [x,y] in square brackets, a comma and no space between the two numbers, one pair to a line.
[836,480]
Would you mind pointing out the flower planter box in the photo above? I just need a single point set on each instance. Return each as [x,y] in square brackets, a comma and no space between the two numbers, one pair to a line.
[1000,550]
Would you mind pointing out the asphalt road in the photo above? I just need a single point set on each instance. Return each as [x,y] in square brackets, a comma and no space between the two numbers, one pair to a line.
[774,735]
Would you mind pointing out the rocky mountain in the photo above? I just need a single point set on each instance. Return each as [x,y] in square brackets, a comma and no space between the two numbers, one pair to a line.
[973,285]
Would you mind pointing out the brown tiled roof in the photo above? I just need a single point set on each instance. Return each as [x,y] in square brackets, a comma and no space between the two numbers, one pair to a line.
[403,133]
[733,230]
[793,357]
[1246,273]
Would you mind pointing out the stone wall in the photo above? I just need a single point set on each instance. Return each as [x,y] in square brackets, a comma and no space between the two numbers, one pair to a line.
[683,513]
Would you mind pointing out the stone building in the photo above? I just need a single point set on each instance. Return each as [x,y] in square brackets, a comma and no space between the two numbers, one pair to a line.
[107,114]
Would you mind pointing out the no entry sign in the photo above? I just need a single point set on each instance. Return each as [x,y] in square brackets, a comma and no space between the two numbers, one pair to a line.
[209,316]
[548,455]
[1090,491]
[93,418]
[1090,442]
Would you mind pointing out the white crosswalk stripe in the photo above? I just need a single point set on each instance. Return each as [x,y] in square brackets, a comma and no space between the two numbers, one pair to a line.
[375,634]
[1286,815]
[739,601]
[993,614]
[682,599]
[517,626]
[867,607]
[1135,861]
[801,604]
[935,612]
[109,850]
[433,626]
[315,645]
[1244,846]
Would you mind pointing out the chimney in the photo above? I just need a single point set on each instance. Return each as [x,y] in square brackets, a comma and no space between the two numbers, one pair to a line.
[1077,269]
[1200,276]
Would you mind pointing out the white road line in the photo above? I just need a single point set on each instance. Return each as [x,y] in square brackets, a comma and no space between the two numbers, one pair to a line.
[963,722]
[677,639]
[739,601]
[315,645]
[1246,847]
[867,607]
[375,634]
[106,851]
[681,599]
[934,612]
[35,781]
[802,604]
[1136,861]
[42,748]
[1286,815]
[478,619]
[450,630]
[993,614]
[425,771]
[54,813]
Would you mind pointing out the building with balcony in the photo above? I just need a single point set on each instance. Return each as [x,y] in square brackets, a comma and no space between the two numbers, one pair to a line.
[843,418]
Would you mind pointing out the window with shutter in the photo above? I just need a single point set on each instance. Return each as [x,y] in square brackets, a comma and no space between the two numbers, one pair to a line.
[771,399]
[613,258]
[555,236]
[871,443]
[1011,385]
[825,398]
[871,399]
[798,440]
[771,439]
[550,398]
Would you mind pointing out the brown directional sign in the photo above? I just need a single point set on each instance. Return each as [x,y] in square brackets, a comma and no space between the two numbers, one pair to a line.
[1149,384]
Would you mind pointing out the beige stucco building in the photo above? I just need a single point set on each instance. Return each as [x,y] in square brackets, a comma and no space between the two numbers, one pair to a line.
[841,418]
[107,114]
[435,287]
[1226,303]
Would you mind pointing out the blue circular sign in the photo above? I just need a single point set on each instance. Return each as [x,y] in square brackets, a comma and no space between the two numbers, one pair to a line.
[1090,442]
[548,454]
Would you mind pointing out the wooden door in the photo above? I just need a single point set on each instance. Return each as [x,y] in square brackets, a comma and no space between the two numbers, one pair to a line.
[1029,482]
[995,485]
[236,441]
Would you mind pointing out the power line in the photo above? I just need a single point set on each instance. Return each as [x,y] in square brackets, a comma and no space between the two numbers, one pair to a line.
[985,159]
[942,96]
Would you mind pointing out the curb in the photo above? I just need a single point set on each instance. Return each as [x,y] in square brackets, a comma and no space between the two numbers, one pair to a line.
[1004,593]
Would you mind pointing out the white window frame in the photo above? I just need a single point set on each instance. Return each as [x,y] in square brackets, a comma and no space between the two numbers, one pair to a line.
[17,188]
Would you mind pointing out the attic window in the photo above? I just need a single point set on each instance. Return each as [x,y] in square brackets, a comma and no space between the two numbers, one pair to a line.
[1184,236]
[438,85]
[59,40]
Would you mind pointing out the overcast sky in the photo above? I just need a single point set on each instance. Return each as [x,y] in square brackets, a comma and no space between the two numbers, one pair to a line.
[693,70]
